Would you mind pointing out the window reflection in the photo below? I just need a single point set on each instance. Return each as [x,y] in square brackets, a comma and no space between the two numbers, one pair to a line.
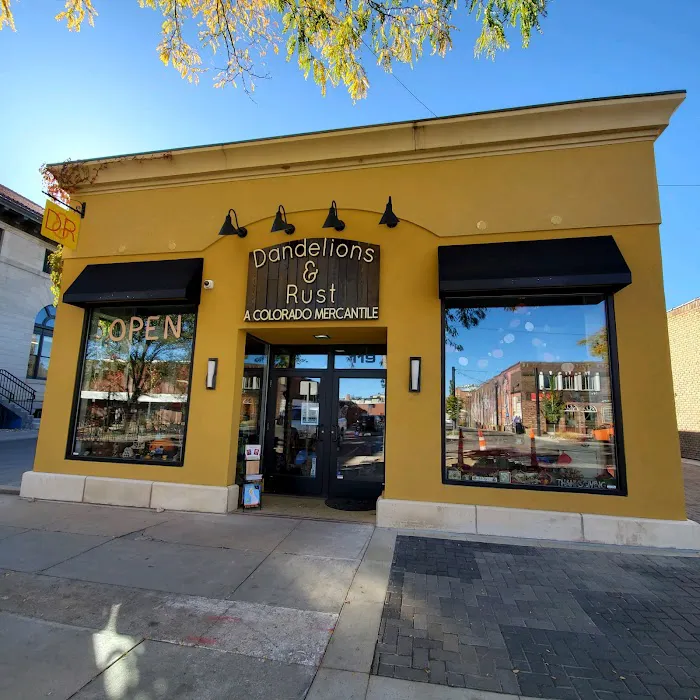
[528,396]
[251,399]
[40,345]
[360,430]
[302,361]
[135,384]
[359,361]
[297,426]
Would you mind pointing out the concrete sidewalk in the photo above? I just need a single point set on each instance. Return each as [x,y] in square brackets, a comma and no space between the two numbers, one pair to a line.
[98,602]
[102,602]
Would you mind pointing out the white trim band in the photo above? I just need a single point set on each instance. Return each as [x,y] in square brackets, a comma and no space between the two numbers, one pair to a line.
[538,128]
[129,492]
[538,524]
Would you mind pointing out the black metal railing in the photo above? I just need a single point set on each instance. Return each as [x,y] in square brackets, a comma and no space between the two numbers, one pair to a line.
[15,391]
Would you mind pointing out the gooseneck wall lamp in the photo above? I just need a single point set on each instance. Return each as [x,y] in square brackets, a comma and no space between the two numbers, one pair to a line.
[280,223]
[332,220]
[388,217]
[228,229]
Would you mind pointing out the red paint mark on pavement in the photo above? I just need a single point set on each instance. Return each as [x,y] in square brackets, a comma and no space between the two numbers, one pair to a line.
[200,640]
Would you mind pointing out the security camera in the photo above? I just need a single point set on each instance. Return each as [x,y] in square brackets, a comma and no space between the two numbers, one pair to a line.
[208,284]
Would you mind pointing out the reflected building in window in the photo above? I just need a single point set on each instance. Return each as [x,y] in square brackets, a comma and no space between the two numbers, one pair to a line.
[547,419]
[40,346]
[252,399]
[500,401]
[135,385]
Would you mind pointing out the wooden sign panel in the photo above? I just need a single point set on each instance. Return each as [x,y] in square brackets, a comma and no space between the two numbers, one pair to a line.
[313,279]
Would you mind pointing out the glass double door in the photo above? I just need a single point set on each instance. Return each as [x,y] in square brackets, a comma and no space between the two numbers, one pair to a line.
[325,433]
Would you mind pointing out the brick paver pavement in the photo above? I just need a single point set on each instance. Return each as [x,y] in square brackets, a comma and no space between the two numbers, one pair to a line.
[548,622]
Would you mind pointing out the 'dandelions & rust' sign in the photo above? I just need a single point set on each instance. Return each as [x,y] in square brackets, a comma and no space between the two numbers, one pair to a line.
[319,279]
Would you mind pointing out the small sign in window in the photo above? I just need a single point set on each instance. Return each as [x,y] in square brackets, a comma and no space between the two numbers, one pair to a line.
[309,413]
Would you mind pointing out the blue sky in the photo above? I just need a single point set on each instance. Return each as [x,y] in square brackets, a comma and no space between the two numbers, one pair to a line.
[524,334]
[104,91]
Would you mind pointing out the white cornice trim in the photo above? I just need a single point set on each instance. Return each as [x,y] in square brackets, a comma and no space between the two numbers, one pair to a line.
[548,127]
[25,268]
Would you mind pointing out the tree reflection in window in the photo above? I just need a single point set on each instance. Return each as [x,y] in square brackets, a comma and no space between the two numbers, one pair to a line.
[458,319]
[529,393]
[135,384]
[287,360]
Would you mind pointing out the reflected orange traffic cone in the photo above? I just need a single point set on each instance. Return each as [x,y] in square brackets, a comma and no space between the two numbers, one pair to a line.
[482,441]
[533,451]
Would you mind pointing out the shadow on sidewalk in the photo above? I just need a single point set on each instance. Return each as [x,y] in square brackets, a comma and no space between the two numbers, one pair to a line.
[16,457]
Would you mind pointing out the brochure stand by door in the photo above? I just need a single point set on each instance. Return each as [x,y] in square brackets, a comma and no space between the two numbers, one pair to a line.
[252,494]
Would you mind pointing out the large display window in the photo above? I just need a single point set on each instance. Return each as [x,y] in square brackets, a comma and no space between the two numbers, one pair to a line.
[530,396]
[133,395]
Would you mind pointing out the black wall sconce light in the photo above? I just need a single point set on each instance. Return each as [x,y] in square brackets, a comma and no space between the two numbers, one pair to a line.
[332,220]
[414,374]
[388,217]
[280,223]
[212,368]
[228,229]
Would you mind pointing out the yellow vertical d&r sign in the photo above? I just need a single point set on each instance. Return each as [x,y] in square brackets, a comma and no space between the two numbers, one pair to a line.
[60,224]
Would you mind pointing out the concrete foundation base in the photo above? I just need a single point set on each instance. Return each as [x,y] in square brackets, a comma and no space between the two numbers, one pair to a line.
[538,524]
[129,492]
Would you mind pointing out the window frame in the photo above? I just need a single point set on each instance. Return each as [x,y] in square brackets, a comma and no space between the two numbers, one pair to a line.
[554,300]
[42,331]
[72,425]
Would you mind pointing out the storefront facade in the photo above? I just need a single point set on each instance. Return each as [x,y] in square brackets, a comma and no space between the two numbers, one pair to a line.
[490,355]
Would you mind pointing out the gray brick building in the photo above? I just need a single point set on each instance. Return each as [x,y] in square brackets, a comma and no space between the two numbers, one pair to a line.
[26,308]
[684,336]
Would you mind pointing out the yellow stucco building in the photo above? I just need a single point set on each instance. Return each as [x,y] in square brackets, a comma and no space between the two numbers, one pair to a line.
[474,332]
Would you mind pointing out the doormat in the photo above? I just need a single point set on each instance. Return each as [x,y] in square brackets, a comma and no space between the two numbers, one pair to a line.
[350,504]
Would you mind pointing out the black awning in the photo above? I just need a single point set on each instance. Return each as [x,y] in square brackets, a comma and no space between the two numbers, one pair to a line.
[586,265]
[153,282]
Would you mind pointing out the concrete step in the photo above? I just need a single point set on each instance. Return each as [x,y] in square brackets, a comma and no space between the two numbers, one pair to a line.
[24,416]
